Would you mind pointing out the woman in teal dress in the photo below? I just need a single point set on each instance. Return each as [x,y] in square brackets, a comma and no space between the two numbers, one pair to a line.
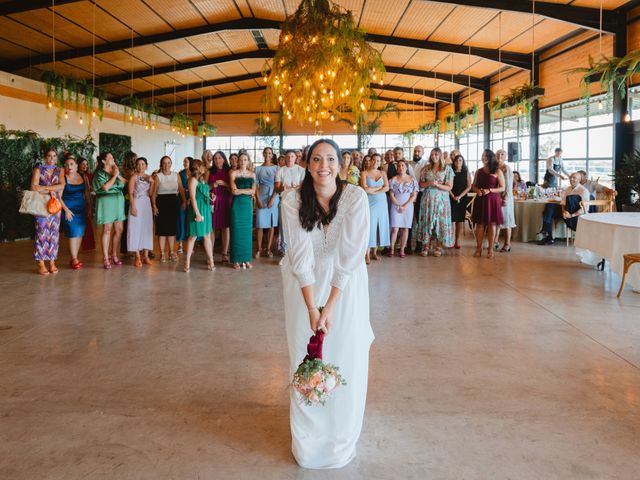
[199,214]
[243,189]
[108,185]
[434,227]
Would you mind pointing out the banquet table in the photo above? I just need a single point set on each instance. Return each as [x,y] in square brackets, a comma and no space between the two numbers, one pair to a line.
[528,215]
[609,236]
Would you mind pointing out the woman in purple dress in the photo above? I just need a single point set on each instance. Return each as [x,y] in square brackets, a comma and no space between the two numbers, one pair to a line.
[47,180]
[403,190]
[488,183]
[221,215]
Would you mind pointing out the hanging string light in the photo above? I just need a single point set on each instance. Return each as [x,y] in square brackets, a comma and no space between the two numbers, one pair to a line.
[323,65]
[93,58]
[600,105]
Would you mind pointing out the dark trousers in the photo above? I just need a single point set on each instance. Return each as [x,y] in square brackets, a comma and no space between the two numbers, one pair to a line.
[553,211]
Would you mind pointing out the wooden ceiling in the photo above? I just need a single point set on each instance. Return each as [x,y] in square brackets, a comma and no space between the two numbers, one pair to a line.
[178,51]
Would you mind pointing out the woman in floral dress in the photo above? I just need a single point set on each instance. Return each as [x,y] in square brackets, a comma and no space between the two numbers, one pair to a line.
[434,227]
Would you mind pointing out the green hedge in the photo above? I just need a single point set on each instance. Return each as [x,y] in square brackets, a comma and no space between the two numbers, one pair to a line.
[118,145]
[20,151]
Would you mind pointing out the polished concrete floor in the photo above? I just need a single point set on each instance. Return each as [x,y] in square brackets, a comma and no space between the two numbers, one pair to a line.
[525,367]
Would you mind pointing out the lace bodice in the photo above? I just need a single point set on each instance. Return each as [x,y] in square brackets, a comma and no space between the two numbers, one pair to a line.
[343,242]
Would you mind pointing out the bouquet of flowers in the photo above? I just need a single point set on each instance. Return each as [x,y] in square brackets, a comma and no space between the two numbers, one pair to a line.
[315,380]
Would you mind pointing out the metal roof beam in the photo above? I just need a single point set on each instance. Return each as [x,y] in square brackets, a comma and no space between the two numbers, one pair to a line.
[579,16]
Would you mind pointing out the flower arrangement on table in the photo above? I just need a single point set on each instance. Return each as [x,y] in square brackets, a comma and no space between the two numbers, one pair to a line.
[315,380]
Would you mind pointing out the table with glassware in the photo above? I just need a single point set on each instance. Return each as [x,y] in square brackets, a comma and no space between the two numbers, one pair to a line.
[610,235]
[528,213]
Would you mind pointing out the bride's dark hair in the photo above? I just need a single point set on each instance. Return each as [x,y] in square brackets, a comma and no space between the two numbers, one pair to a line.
[312,215]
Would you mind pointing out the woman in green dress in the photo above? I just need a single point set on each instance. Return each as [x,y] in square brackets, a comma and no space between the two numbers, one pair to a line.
[243,189]
[108,184]
[199,214]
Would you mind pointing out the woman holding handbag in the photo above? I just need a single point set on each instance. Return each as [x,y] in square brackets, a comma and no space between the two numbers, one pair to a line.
[47,180]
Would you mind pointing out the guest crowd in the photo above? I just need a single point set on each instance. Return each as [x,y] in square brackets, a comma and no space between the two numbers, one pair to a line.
[423,201]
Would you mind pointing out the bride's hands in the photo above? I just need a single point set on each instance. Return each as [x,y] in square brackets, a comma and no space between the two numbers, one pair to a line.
[314,319]
[326,319]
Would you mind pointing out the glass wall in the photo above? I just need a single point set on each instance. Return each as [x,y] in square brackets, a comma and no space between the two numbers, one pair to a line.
[514,130]
[472,145]
[584,131]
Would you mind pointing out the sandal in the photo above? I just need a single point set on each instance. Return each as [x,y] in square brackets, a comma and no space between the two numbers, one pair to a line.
[187,267]
[506,249]
[75,264]
[52,268]
[402,254]
[225,258]
[236,266]
[173,257]
[42,270]
[163,258]
[257,255]
[390,254]
[137,263]
[456,246]
[107,263]
[437,252]
[211,266]
[248,265]
[147,261]
[116,261]
[270,254]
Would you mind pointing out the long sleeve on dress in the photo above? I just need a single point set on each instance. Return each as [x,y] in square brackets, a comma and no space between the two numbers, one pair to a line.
[298,240]
[353,241]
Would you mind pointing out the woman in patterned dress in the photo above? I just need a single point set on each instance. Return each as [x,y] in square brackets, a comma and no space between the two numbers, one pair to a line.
[348,172]
[434,227]
[47,180]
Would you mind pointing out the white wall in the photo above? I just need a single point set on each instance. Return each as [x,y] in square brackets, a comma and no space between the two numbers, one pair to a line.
[17,114]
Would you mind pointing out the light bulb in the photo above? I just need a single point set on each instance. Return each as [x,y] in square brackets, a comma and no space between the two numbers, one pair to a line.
[265,79]
[267,119]
[627,117]
[332,118]
[355,128]
[600,105]
[50,104]
[146,127]
[153,127]
[131,117]
[66,115]
[93,114]
[173,129]
[81,120]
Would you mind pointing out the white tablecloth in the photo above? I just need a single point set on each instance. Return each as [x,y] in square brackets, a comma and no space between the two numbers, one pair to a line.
[529,221]
[609,236]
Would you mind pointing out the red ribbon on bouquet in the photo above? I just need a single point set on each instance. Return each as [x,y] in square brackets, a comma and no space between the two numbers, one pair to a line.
[314,347]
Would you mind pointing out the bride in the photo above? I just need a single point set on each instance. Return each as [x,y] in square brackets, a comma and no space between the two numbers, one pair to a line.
[326,225]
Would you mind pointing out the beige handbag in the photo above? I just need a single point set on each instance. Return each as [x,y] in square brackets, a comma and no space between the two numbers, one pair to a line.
[34,203]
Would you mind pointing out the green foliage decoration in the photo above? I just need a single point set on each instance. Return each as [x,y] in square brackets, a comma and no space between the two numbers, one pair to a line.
[267,133]
[613,73]
[368,123]
[206,129]
[137,109]
[63,92]
[456,122]
[519,100]
[627,178]
[323,65]
[20,152]
[118,145]
[182,122]
[429,128]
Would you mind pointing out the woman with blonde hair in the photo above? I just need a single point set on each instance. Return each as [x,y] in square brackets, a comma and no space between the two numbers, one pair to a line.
[376,185]
[434,227]
[199,214]
[508,208]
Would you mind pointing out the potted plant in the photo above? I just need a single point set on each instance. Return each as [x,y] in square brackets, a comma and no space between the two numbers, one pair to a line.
[627,182]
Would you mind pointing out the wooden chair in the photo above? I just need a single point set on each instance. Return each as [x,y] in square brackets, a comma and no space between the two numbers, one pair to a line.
[604,205]
[629,259]
[468,217]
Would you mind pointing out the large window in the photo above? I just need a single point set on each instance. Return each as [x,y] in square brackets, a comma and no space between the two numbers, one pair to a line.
[584,131]
[472,145]
[513,130]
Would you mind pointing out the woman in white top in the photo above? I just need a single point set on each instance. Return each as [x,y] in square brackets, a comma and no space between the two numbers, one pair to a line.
[327,227]
[168,196]
[508,212]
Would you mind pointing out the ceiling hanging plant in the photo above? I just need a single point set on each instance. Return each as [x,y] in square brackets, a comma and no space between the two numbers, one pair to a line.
[66,92]
[182,123]
[323,65]
[206,129]
[459,120]
[367,124]
[518,101]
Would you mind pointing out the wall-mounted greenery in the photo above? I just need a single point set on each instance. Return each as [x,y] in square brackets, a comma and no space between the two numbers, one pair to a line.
[20,151]
[613,73]
[519,100]
[77,93]
[118,145]
[429,128]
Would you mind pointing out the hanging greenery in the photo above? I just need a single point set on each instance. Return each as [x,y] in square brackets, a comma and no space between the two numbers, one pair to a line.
[268,133]
[182,123]
[368,124]
[135,108]
[20,152]
[459,120]
[206,129]
[519,100]
[323,65]
[64,92]
[430,128]
[613,73]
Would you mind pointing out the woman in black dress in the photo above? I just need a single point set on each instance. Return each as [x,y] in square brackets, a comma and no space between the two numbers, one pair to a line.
[458,195]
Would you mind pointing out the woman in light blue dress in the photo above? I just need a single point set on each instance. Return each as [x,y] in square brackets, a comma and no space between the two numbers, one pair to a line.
[375,184]
[267,201]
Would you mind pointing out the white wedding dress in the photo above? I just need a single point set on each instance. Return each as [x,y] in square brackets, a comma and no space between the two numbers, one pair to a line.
[326,436]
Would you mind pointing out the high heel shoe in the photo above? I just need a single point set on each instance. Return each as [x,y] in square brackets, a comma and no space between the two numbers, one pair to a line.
[75,264]
[187,267]
[106,263]
[225,258]
[257,255]
[211,266]
[116,261]
[249,266]
[506,249]
[236,266]
[42,270]
[52,267]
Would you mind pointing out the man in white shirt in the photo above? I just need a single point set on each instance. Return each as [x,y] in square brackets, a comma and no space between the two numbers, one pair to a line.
[570,206]
[595,187]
